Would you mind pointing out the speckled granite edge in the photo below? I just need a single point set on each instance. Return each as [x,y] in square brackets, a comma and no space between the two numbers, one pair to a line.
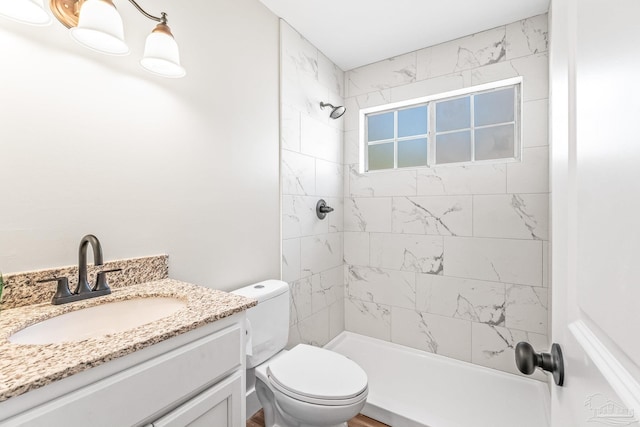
[28,367]
[22,289]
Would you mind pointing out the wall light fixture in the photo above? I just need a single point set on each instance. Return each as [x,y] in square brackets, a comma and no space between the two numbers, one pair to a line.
[96,24]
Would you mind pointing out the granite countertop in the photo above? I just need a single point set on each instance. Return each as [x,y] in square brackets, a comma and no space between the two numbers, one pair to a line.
[27,367]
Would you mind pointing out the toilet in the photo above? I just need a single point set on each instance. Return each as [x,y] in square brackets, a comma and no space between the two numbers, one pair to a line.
[306,386]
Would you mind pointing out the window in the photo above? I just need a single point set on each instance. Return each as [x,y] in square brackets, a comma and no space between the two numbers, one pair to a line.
[478,124]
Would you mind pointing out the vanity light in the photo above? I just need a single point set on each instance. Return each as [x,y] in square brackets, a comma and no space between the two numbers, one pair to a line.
[96,24]
[25,11]
[100,28]
[161,54]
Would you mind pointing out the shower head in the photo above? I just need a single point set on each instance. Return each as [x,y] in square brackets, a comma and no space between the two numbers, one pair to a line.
[336,112]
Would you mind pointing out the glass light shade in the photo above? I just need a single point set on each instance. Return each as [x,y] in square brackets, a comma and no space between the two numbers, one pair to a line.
[100,28]
[25,11]
[161,55]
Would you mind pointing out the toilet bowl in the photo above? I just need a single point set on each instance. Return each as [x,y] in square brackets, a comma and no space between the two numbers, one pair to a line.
[306,386]
[310,386]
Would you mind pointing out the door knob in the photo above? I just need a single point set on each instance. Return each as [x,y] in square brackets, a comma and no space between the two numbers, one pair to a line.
[528,360]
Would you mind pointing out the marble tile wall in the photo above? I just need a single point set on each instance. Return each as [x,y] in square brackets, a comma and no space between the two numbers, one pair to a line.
[453,259]
[312,169]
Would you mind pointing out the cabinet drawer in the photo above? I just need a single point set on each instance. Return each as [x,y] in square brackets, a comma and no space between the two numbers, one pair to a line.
[152,387]
[218,406]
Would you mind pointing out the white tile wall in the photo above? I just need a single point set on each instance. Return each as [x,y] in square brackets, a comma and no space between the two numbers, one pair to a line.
[527,37]
[327,288]
[512,216]
[300,295]
[535,126]
[432,333]
[336,318]
[498,260]
[368,318]
[429,87]
[336,218]
[453,259]
[290,260]
[356,248]
[314,329]
[463,270]
[368,214]
[298,56]
[329,179]
[407,252]
[330,76]
[391,72]
[392,287]
[526,308]
[290,128]
[299,217]
[478,50]
[532,174]
[475,300]
[320,253]
[392,183]
[493,346]
[438,215]
[450,180]
[320,140]
[298,173]
[312,168]
[304,94]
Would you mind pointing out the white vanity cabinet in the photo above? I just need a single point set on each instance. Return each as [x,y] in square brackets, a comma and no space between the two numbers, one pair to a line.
[217,406]
[193,379]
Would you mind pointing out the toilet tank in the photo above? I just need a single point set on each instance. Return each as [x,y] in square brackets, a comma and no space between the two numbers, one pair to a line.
[268,322]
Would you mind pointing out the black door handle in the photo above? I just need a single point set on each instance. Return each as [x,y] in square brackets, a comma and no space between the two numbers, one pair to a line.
[528,360]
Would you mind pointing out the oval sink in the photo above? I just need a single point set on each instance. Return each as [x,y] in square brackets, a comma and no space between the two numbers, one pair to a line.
[91,322]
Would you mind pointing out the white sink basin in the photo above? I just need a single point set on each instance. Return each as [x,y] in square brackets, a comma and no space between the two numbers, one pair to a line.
[98,320]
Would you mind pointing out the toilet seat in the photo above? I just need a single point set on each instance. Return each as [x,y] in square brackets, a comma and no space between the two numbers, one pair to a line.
[318,376]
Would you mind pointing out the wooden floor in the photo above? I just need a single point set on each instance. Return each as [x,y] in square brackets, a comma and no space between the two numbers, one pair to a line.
[360,421]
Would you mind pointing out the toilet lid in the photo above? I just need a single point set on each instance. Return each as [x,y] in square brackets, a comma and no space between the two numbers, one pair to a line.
[313,372]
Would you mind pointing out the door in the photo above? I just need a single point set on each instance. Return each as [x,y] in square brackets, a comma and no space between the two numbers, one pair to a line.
[595,174]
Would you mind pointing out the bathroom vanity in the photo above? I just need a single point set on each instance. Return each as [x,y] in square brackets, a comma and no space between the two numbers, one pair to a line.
[184,369]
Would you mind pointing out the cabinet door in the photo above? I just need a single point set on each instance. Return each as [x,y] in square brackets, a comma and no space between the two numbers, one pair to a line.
[217,406]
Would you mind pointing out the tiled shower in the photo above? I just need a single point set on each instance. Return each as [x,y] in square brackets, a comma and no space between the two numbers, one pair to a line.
[450,259]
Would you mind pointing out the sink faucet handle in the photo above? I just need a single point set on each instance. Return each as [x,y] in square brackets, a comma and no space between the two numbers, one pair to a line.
[62,291]
[101,281]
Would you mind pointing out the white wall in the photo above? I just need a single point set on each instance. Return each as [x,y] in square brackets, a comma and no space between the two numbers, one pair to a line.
[93,144]
[473,289]
[312,169]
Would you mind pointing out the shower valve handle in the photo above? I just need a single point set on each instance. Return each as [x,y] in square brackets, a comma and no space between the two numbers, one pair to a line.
[322,209]
[528,360]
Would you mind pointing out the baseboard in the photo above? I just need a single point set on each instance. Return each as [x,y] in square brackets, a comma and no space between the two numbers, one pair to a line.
[253,404]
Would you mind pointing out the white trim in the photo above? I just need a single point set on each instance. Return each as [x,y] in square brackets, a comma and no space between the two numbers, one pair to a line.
[395,139]
[616,375]
[450,94]
[362,137]
[472,128]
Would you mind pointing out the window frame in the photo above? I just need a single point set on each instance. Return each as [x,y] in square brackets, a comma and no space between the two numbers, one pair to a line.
[430,101]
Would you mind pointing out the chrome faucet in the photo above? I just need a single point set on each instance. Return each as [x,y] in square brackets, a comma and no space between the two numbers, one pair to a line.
[83,290]
[83,283]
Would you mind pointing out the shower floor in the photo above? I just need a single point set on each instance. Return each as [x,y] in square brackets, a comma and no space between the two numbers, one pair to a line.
[413,388]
